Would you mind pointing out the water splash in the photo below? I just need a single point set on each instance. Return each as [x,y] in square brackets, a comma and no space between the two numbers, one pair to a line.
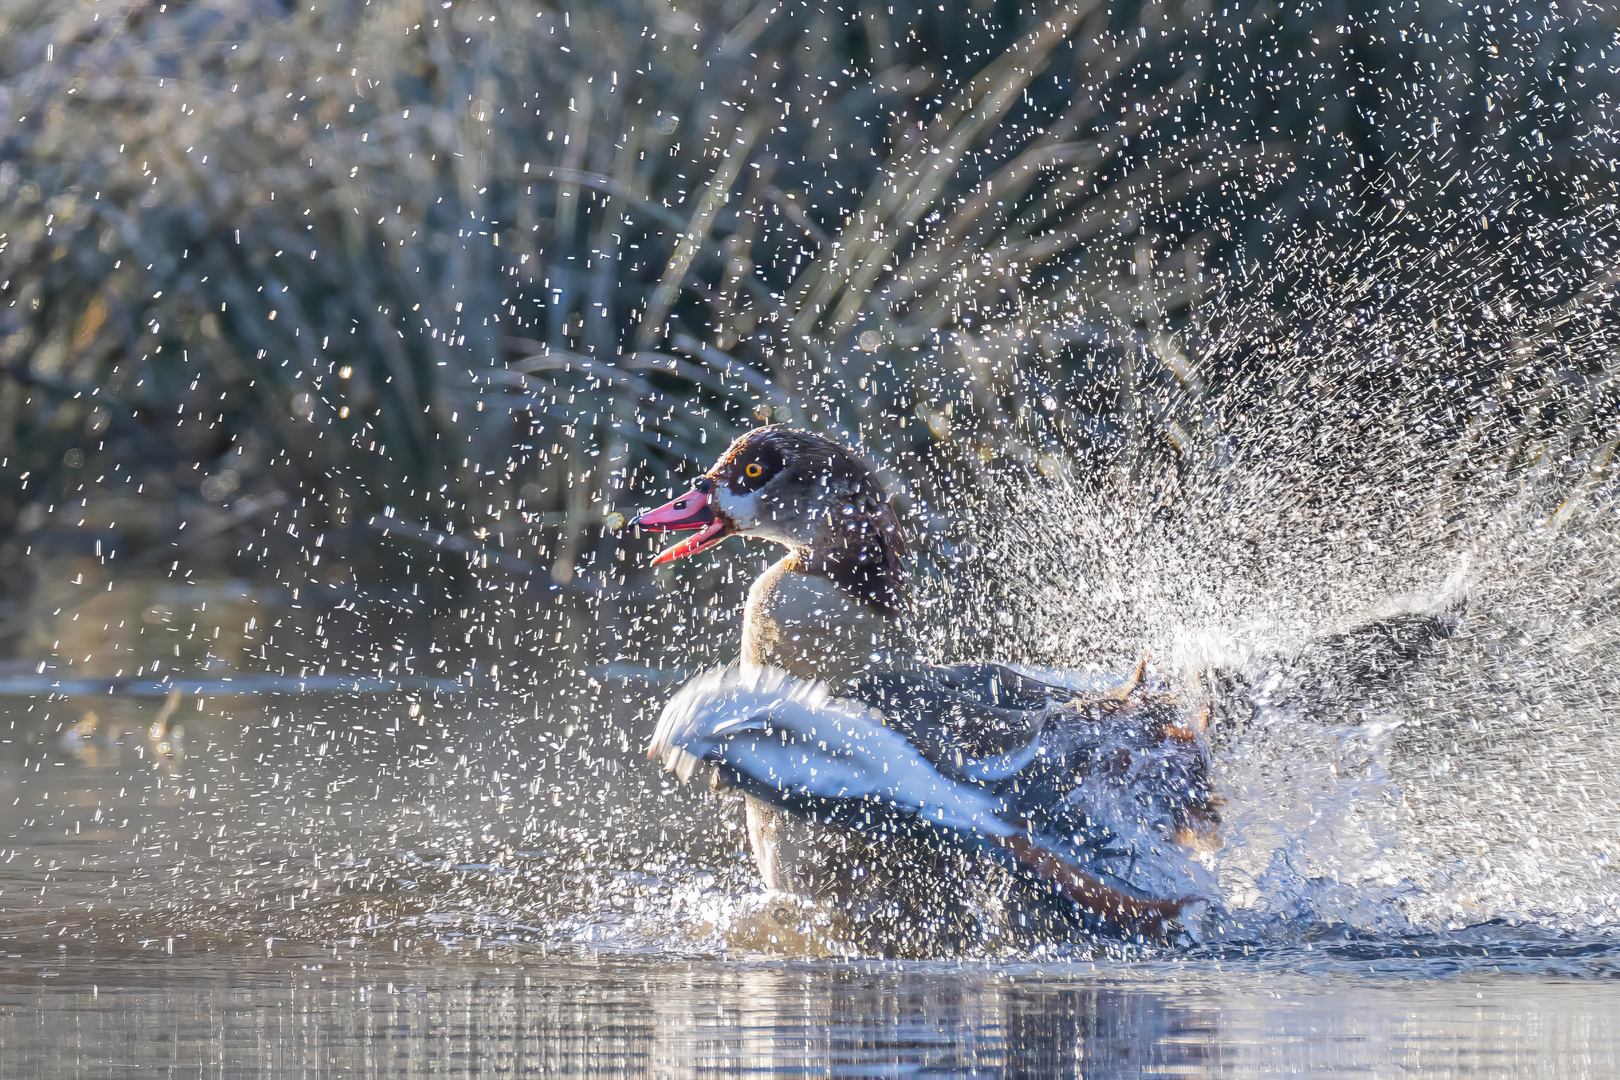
[1390,548]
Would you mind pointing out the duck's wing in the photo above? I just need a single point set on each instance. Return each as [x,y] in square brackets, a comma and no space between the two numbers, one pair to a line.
[1094,766]
[1131,763]
[977,722]
[799,748]
[1327,676]
[795,745]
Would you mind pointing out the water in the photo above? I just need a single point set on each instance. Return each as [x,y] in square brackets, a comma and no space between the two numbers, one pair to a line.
[529,1014]
[433,881]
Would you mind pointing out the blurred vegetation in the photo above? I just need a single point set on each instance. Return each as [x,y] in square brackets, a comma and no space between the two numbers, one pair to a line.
[500,268]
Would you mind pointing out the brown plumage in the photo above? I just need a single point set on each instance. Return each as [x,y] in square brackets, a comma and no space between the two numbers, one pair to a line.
[810,478]
[830,611]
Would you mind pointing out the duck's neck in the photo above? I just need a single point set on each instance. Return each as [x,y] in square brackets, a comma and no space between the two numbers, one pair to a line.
[813,625]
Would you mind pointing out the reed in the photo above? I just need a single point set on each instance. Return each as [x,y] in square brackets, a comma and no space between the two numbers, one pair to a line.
[503,267]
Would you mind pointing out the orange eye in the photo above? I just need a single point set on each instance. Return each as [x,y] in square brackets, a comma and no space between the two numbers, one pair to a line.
[754,470]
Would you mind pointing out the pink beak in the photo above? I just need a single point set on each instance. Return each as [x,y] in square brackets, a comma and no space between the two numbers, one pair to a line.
[694,510]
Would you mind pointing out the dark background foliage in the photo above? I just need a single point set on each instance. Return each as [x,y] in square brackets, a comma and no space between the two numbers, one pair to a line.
[485,275]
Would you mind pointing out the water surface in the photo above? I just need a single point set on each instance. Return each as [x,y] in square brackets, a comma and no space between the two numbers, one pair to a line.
[481,874]
[609,1014]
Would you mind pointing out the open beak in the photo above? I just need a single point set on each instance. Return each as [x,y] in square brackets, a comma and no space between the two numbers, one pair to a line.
[694,510]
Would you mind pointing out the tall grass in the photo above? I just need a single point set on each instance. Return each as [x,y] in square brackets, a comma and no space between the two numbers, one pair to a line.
[502,266]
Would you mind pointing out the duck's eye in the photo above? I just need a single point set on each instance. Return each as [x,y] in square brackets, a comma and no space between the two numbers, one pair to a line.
[763,463]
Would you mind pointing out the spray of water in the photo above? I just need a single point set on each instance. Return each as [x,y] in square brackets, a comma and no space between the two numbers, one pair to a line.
[1389,551]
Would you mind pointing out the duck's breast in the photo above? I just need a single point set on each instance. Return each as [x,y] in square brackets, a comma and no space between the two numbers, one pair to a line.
[809,628]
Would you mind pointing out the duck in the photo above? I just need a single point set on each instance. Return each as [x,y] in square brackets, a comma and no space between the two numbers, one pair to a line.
[919,800]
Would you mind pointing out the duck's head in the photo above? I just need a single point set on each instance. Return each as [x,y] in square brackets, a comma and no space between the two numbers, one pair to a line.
[802,490]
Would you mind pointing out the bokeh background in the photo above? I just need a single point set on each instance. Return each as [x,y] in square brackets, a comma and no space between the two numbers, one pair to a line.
[455,287]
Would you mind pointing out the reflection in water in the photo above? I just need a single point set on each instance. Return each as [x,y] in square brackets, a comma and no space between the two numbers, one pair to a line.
[533,1015]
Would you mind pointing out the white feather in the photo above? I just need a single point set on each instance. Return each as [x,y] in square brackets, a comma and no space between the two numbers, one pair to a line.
[793,736]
